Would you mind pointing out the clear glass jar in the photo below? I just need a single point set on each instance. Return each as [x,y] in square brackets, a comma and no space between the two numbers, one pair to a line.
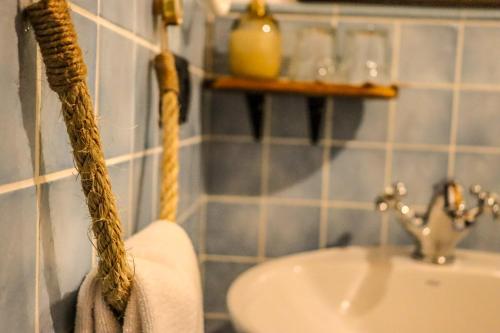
[255,44]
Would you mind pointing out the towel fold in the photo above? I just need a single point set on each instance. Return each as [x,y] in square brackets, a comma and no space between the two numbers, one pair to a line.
[166,294]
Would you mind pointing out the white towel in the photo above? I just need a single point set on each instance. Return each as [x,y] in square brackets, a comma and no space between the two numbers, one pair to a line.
[166,295]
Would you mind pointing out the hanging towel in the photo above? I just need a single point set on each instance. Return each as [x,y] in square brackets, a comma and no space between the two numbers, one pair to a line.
[166,293]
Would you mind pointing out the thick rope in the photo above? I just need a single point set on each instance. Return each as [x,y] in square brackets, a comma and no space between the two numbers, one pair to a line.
[66,73]
[169,89]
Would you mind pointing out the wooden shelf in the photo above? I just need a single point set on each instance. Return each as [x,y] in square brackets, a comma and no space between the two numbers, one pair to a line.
[315,92]
[317,89]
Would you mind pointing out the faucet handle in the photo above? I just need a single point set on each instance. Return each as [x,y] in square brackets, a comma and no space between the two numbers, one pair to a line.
[486,199]
[391,196]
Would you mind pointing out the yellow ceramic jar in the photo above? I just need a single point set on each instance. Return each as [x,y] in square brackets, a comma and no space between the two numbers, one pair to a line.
[255,44]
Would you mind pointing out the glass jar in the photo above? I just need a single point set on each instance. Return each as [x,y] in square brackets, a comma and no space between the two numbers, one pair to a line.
[255,44]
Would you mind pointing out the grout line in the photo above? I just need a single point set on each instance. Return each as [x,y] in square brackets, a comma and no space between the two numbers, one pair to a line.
[264,174]
[115,28]
[323,223]
[189,211]
[456,101]
[202,241]
[38,194]
[131,211]
[235,199]
[391,127]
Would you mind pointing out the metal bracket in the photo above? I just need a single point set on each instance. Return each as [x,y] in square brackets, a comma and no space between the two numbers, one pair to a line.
[316,109]
[255,104]
[170,11]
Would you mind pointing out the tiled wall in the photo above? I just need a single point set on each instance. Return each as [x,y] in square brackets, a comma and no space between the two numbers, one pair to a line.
[44,223]
[284,195]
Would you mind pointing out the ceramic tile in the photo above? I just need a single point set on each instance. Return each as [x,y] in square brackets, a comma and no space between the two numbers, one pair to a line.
[427,53]
[295,171]
[56,148]
[232,168]
[232,229]
[479,169]
[291,229]
[120,12]
[18,245]
[229,114]
[90,5]
[120,182]
[359,119]
[218,278]
[399,11]
[192,227]
[356,174]
[143,196]
[353,227]
[420,171]
[17,92]
[145,19]
[483,236]
[291,28]
[116,98]
[397,234]
[64,232]
[423,116]
[146,116]
[480,60]
[190,177]
[290,116]
[478,118]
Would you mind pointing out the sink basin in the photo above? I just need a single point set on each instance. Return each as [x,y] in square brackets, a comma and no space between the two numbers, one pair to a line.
[368,290]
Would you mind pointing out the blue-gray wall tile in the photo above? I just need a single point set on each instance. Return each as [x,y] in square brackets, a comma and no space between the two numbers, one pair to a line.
[289,116]
[232,228]
[233,168]
[420,171]
[428,53]
[146,119]
[120,175]
[145,20]
[483,236]
[353,227]
[480,59]
[120,12]
[398,11]
[359,119]
[291,229]
[56,152]
[64,232]
[479,118]
[90,5]
[290,30]
[17,92]
[397,234]
[295,171]
[192,227]
[116,98]
[218,278]
[423,116]
[229,114]
[190,177]
[142,199]
[479,169]
[356,174]
[18,245]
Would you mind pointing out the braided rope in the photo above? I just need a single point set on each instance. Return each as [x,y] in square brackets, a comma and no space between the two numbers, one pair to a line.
[169,88]
[66,74]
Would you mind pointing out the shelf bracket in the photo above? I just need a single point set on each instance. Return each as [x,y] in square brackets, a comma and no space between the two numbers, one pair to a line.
[316,108]
[255,104]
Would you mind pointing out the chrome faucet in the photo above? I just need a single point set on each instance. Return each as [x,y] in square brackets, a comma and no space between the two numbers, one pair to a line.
[445,223]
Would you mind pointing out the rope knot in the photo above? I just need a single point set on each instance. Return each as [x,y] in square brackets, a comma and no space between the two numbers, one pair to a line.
[166,73]
[57,38]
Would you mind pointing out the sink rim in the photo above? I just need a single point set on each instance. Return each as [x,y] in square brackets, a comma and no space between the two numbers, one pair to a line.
[467,261]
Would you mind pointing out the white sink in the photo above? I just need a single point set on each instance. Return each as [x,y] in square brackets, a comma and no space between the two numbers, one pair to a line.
[368,290]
